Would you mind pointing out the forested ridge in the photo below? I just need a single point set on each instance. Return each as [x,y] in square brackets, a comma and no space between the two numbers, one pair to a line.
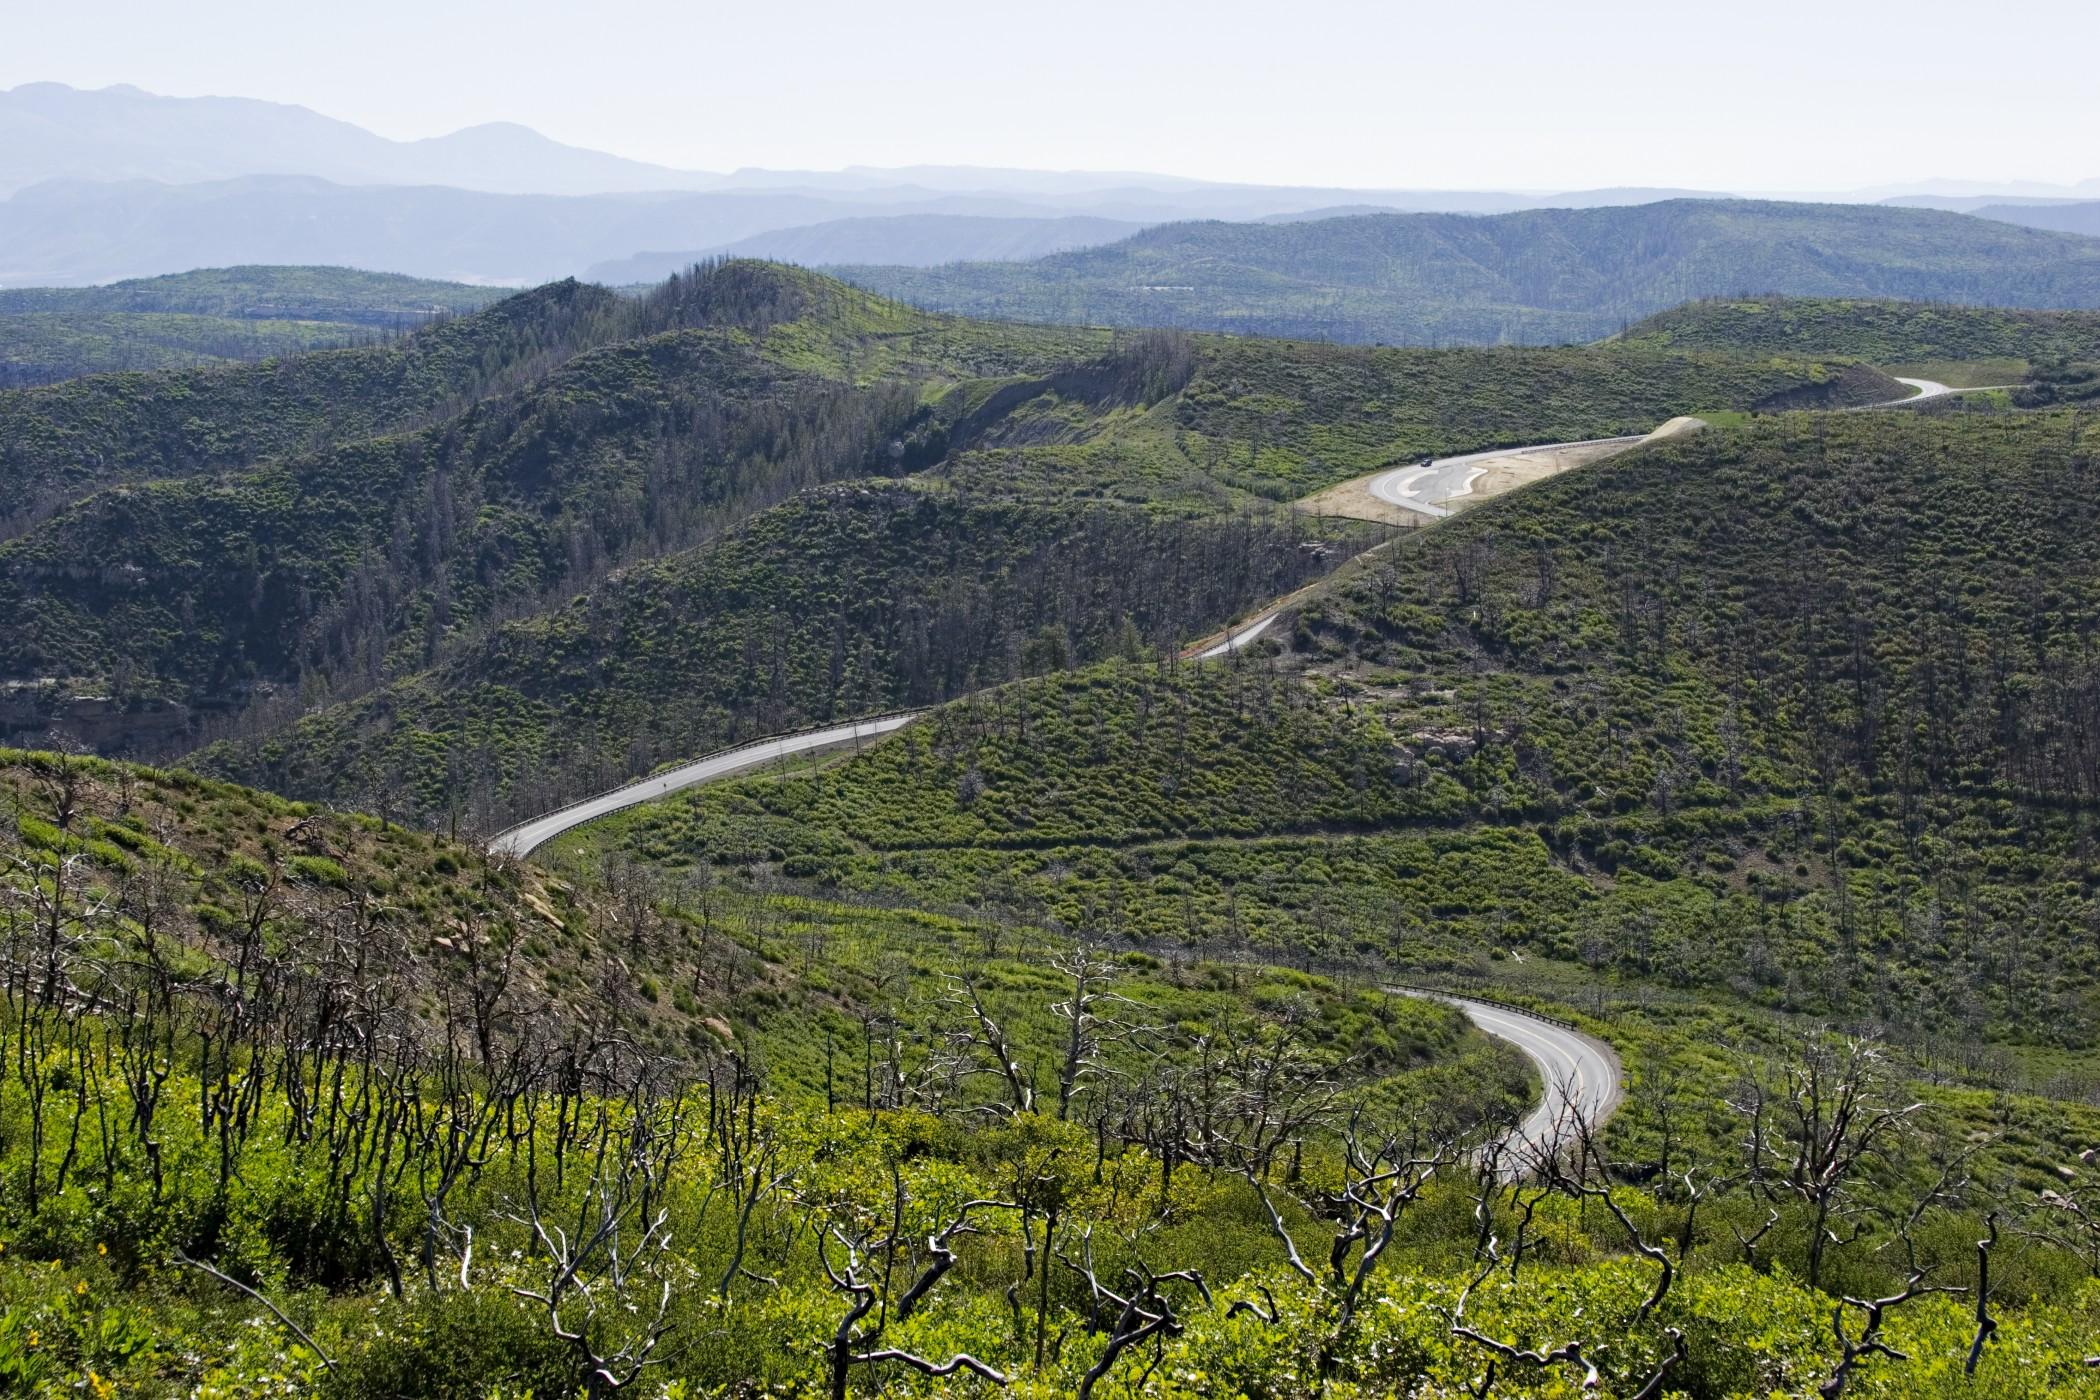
[1541,276]
[393,504]
[61,441]
[846,600]
[342,295]
[1882,332]
[354,551]
[212,316]
[1809,703]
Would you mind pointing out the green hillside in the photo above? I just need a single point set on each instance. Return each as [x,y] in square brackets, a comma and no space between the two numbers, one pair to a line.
[562,434]
[61,441]
[1803,703]
[294,1099]
[843,601]
[44,347]
[213,316]
[1540,276]
[1049,1046]
[1881,332]
[351,552]
[846,600]
[345,295]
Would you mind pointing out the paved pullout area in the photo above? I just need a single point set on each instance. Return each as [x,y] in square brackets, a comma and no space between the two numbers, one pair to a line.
[1425,492]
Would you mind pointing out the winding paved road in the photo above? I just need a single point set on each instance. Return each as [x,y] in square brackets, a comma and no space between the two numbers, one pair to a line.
[1425,489]
[1927,389]
[1235,640]
[523,839]
[526,837]
[1575,1069]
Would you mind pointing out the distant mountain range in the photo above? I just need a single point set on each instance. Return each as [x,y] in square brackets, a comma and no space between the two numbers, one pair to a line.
[115,183]
[49,131]
[907,240]
[2064,218]
[1539,276]
[68,232]
[77,231]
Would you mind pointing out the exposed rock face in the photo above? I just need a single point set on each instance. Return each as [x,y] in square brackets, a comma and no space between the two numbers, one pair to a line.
[32,714]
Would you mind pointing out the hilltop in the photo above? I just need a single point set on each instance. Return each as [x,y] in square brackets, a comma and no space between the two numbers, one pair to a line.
[397,502]
[2082,216]
[342,295]
[917,240]
[1538,276]
[1891,333]
[212,316]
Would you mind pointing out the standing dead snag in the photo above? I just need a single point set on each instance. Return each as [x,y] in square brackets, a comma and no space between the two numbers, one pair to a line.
[1986,1325]
[610,1263]
[1380,1181]
[867,1288]
[1568,1353]
[1089,1031]
[983,1040]
[1820,1123]
[1855,1352]
[1261,1098]
[1590,1180]
[1145,1314]
[1570,1162]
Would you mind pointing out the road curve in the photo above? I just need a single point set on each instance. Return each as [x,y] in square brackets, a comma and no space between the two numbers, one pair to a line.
[1235,640]
[526,837]
[1424,489]
[1575,1069]
[523,839]
[1927,389]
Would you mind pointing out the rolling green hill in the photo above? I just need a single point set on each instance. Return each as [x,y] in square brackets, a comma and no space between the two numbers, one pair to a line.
[1800,710]
[1882,332]
[344,295]
[524,452]
[212,316]
[349,553]
[846,600]
[1540,276]
[1047,1046]
[61,441]
[44,347]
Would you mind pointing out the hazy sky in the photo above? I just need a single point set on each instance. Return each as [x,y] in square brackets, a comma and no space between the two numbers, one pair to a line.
[1781,94]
